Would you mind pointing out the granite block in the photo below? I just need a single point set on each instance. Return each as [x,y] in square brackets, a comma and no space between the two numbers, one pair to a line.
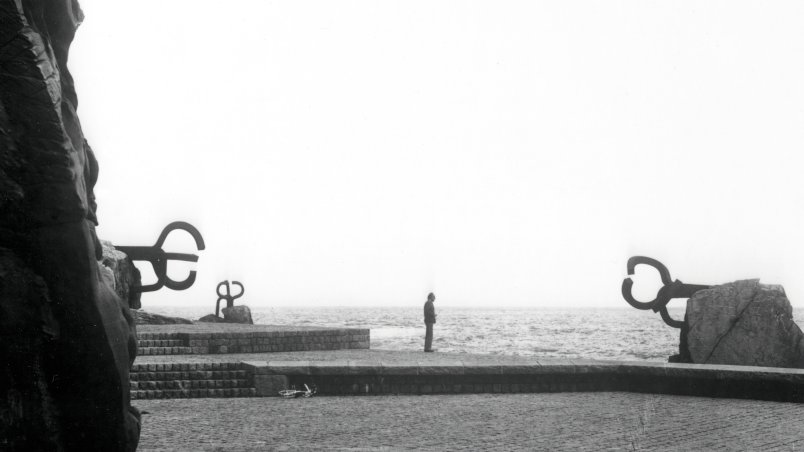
[399,369]
[443,368]
[337,367]
[289,367]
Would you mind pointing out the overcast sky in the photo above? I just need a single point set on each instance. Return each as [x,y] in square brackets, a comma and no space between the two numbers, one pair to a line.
[495,152]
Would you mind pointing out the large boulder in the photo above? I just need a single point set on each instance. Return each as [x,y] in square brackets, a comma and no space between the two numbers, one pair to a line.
[744,323]
[237,314]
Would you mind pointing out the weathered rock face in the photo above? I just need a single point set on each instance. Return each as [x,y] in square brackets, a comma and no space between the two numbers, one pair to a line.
[237,314]
[124,274]
[211,318]
[147,318]
[744,323]
[47,229]
[26,329]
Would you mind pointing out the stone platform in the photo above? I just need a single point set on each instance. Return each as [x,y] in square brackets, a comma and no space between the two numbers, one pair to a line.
[590,421]
[217,338]
[378,372]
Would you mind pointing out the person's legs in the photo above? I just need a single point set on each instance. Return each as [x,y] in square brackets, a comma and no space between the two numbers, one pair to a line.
[428,338]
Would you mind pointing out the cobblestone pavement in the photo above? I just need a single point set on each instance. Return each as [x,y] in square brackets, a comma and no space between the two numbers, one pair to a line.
[560,421]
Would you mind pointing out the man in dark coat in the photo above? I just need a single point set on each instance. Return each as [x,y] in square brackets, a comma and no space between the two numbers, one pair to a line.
[429,320]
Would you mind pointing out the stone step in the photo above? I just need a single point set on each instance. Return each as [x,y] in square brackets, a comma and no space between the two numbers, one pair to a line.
[189,384]
[164,351]
[188,375]
[233,338]
[160,336]
[192,393]
[184,367]
[145,343]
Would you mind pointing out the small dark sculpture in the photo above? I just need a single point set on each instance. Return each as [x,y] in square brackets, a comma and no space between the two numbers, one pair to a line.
[159,258]
[227,296]
[671,289]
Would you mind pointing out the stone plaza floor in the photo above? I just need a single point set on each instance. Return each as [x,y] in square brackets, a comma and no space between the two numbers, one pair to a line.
[548,421]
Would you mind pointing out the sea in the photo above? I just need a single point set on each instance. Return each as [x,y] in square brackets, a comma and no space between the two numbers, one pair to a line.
[582,333]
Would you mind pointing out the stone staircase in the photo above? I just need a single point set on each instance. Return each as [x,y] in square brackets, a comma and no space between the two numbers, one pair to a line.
[186,373]
[162,347]
[190,380]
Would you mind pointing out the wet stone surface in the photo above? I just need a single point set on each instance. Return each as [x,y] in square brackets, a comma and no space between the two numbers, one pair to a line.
[563,421]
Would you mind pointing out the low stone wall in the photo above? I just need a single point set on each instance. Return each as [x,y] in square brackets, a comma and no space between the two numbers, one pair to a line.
[358,378]
[199,339]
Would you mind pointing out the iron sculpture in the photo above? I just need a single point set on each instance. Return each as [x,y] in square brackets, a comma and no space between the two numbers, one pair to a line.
[227,296]
[671,289]
[159,258]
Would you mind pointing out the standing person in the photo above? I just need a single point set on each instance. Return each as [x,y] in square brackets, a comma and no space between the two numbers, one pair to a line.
[429,320]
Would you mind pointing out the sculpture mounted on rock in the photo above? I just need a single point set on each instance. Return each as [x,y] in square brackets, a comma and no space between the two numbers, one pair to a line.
[741,323]
[670,290]
[231,313]
[68,339]
[158,258]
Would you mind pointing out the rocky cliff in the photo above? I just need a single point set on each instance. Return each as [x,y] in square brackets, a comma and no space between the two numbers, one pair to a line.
[67,338]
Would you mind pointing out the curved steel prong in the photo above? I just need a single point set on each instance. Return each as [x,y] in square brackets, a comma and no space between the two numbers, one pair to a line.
[181,257]
[218,289]
[661,297]
[221,296]
[159,258]
[242,290]
[663,271]
[626,291]
[160,282]
[180,285]
[184,226]
[669,320]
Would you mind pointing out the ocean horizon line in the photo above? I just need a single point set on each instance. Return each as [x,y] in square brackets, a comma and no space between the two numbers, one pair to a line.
[150,306]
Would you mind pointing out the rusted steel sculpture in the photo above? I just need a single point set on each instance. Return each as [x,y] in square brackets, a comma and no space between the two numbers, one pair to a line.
[159,258]
[671,289]
[227,296]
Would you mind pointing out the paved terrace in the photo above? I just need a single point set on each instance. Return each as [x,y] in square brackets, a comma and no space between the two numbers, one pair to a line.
[396,372]
[547,415]
[504,422]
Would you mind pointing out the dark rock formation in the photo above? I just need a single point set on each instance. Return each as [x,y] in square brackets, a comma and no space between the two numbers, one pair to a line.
[743,323]
[124,274]
[211,318]
[68,339]
[147,318]
[27,413]
[237,314]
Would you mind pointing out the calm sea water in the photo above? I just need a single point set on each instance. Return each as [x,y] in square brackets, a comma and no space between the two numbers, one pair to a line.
[599,333]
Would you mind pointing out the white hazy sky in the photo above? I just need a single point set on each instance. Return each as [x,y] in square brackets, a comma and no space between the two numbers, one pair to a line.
[495,152]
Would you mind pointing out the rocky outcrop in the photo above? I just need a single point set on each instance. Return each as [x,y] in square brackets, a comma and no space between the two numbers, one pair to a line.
[147,318]
[743,323]
[237,314]
[211,318]
[66,388]
[125,275]
[27,415]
